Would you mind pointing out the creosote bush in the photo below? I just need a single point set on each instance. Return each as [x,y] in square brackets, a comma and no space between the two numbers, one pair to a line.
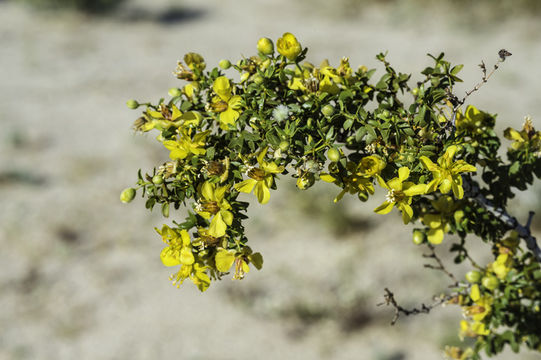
[437,159]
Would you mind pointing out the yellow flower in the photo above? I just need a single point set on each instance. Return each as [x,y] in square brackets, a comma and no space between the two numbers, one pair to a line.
[399,193]
[371,165]
[354,183]
[312,80]
[438,223]
[527,137]
[261,178]
[288,46]
[186,145]
[168,117]
[473,120]
[215,206]
[447,173]
[226,258]
[195,61]
[179,252]
[225,103]
[502,265]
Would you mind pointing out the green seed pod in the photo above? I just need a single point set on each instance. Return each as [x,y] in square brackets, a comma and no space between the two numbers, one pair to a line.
[327,110]
[490,282]
[132,104]
[224,64]
[127,195]
[333,154]
[473,276]
[174,92]
[157,180]
[265,46]
[419,237]
[165,210]
[363,196]
[284,145]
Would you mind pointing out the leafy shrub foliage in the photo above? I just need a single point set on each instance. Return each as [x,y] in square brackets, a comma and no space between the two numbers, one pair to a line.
[437,159]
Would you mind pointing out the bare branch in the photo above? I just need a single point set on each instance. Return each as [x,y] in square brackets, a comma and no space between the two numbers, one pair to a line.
[424,309]
[440,266]
[503,54]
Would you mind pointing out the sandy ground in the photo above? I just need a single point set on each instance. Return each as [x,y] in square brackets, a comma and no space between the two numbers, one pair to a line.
[80,274]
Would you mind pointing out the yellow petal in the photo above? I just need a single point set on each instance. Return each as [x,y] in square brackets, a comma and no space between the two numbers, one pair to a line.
[222,88]
[413,190]
[407,212]
[186,256]
[235,102]
[428,164]
[227,216]
[475,294]
[185,238]
[169,257]
[262,192]
[435,236]
[403,173]
[384,208]
[207,190]
[246,186]
[224,260]
[176,113]
[229,116]
[445,186]
[217,226]
[458,190]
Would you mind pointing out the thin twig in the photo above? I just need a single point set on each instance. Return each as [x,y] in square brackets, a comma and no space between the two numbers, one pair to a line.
[503,54]
[440,265]
[424,309]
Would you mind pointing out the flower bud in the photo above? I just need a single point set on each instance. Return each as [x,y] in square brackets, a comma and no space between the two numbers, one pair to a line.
[244,77]
[174,92]
[224,64]
[265,46]
[127,195]
[288,46]
[132,104]
[157,180]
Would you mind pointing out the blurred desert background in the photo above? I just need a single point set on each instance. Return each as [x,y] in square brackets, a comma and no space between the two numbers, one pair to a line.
[80,272]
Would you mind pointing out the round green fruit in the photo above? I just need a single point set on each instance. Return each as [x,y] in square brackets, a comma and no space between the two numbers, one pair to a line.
[174,92]
[490,282]
[419,237]
[473,276]
[157,180]
[333,154]
[224,64]
[127,195]
[327,110]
